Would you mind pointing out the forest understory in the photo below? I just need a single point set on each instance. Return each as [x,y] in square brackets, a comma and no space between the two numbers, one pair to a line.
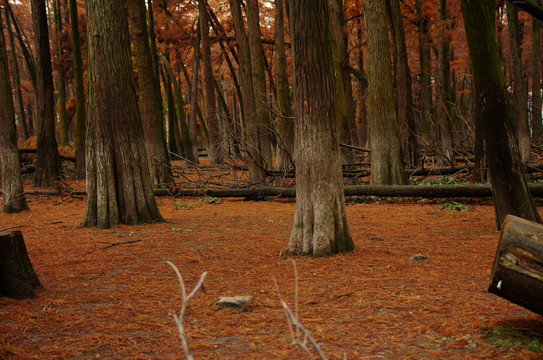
[109,294]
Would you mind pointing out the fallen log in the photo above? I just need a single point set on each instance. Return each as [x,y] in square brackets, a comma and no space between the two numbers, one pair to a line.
[417,191]
[17,277]
[517,272]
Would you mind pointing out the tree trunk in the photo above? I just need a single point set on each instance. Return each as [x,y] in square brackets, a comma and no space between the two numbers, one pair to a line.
[259,82]
[404,92]
[387,166]
[517,273]
[507,176]
[284,119]
[537,126]
[119,188]
[174,137]
[320,222]
[361,113]
[253,146]
[149,95]
[445,108]
[16,77]
[425,66]
[18,279]
[47,159]
[193,126]
[79,89]
[10,171]
[215,149]
[63,122]
[518,84]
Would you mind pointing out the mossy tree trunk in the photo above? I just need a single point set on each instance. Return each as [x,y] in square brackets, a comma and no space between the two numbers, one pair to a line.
[508,179]
[520,103]
[79,90]
[149,95]
[285,121]
[47,156]
[119,188]
[10,172]
[387,167]
[320,222]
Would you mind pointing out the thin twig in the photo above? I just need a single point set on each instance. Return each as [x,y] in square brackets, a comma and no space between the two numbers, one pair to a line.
[114,244]
[17,226]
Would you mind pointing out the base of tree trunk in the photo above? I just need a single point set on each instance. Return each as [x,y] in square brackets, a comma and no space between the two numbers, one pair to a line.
[517,273]
[17,277]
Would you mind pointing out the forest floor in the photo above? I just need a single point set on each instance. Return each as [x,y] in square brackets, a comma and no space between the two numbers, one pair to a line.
[109,294]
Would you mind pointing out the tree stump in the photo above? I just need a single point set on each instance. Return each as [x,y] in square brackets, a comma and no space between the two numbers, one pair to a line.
[17,277]
[517,273]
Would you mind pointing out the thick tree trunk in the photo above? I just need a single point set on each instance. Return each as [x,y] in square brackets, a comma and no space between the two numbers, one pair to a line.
[520,103]
[214,147]
[425,68]
[149,95]
[320,222]
[17,276]
[285,121]
[47,159]
[63,122]
[253,145]
[387,166]
[119,188]
[79,89]
[537,126]
[517,273]
[507,176]
[404,92]
[10,173]
[361,111]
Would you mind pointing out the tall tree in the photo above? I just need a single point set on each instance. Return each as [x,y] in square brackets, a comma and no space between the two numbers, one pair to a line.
[509,185]
[47,156]
[426,102]
[284,120]
[253,146]
[214,150]
[445,108]
[537,126]
[10,173]
[149,95]
[193,126]
[16,76]
[61,98]
[387,165]
[320,222]
[404,92]
[79,89]
[259,81]
[119,188]
[520,103]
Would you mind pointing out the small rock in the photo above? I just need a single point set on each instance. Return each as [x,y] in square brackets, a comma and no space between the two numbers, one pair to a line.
[419,257]
[234,302]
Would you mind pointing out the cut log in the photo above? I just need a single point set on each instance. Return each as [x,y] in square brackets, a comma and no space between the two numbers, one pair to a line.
[17,277]
[517,273]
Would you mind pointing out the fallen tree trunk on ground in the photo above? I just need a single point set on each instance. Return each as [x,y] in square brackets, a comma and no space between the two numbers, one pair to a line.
[17,277]
[422,191]
[517,273]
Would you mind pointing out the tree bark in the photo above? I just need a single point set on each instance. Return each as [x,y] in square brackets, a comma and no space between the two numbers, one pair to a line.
[253,145]
[10,171]
[119,188]
[361,111]
[150,101]
[520,103]
[193,126]
[63,122]
[445,109]
[79,89]
[537,126]
[387,166]
[509,184]
[16,76]
[18,279]
[47,159]
[426,102]
[284,119]
[215,149]
[517,273]
[259,82]
[320,222]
